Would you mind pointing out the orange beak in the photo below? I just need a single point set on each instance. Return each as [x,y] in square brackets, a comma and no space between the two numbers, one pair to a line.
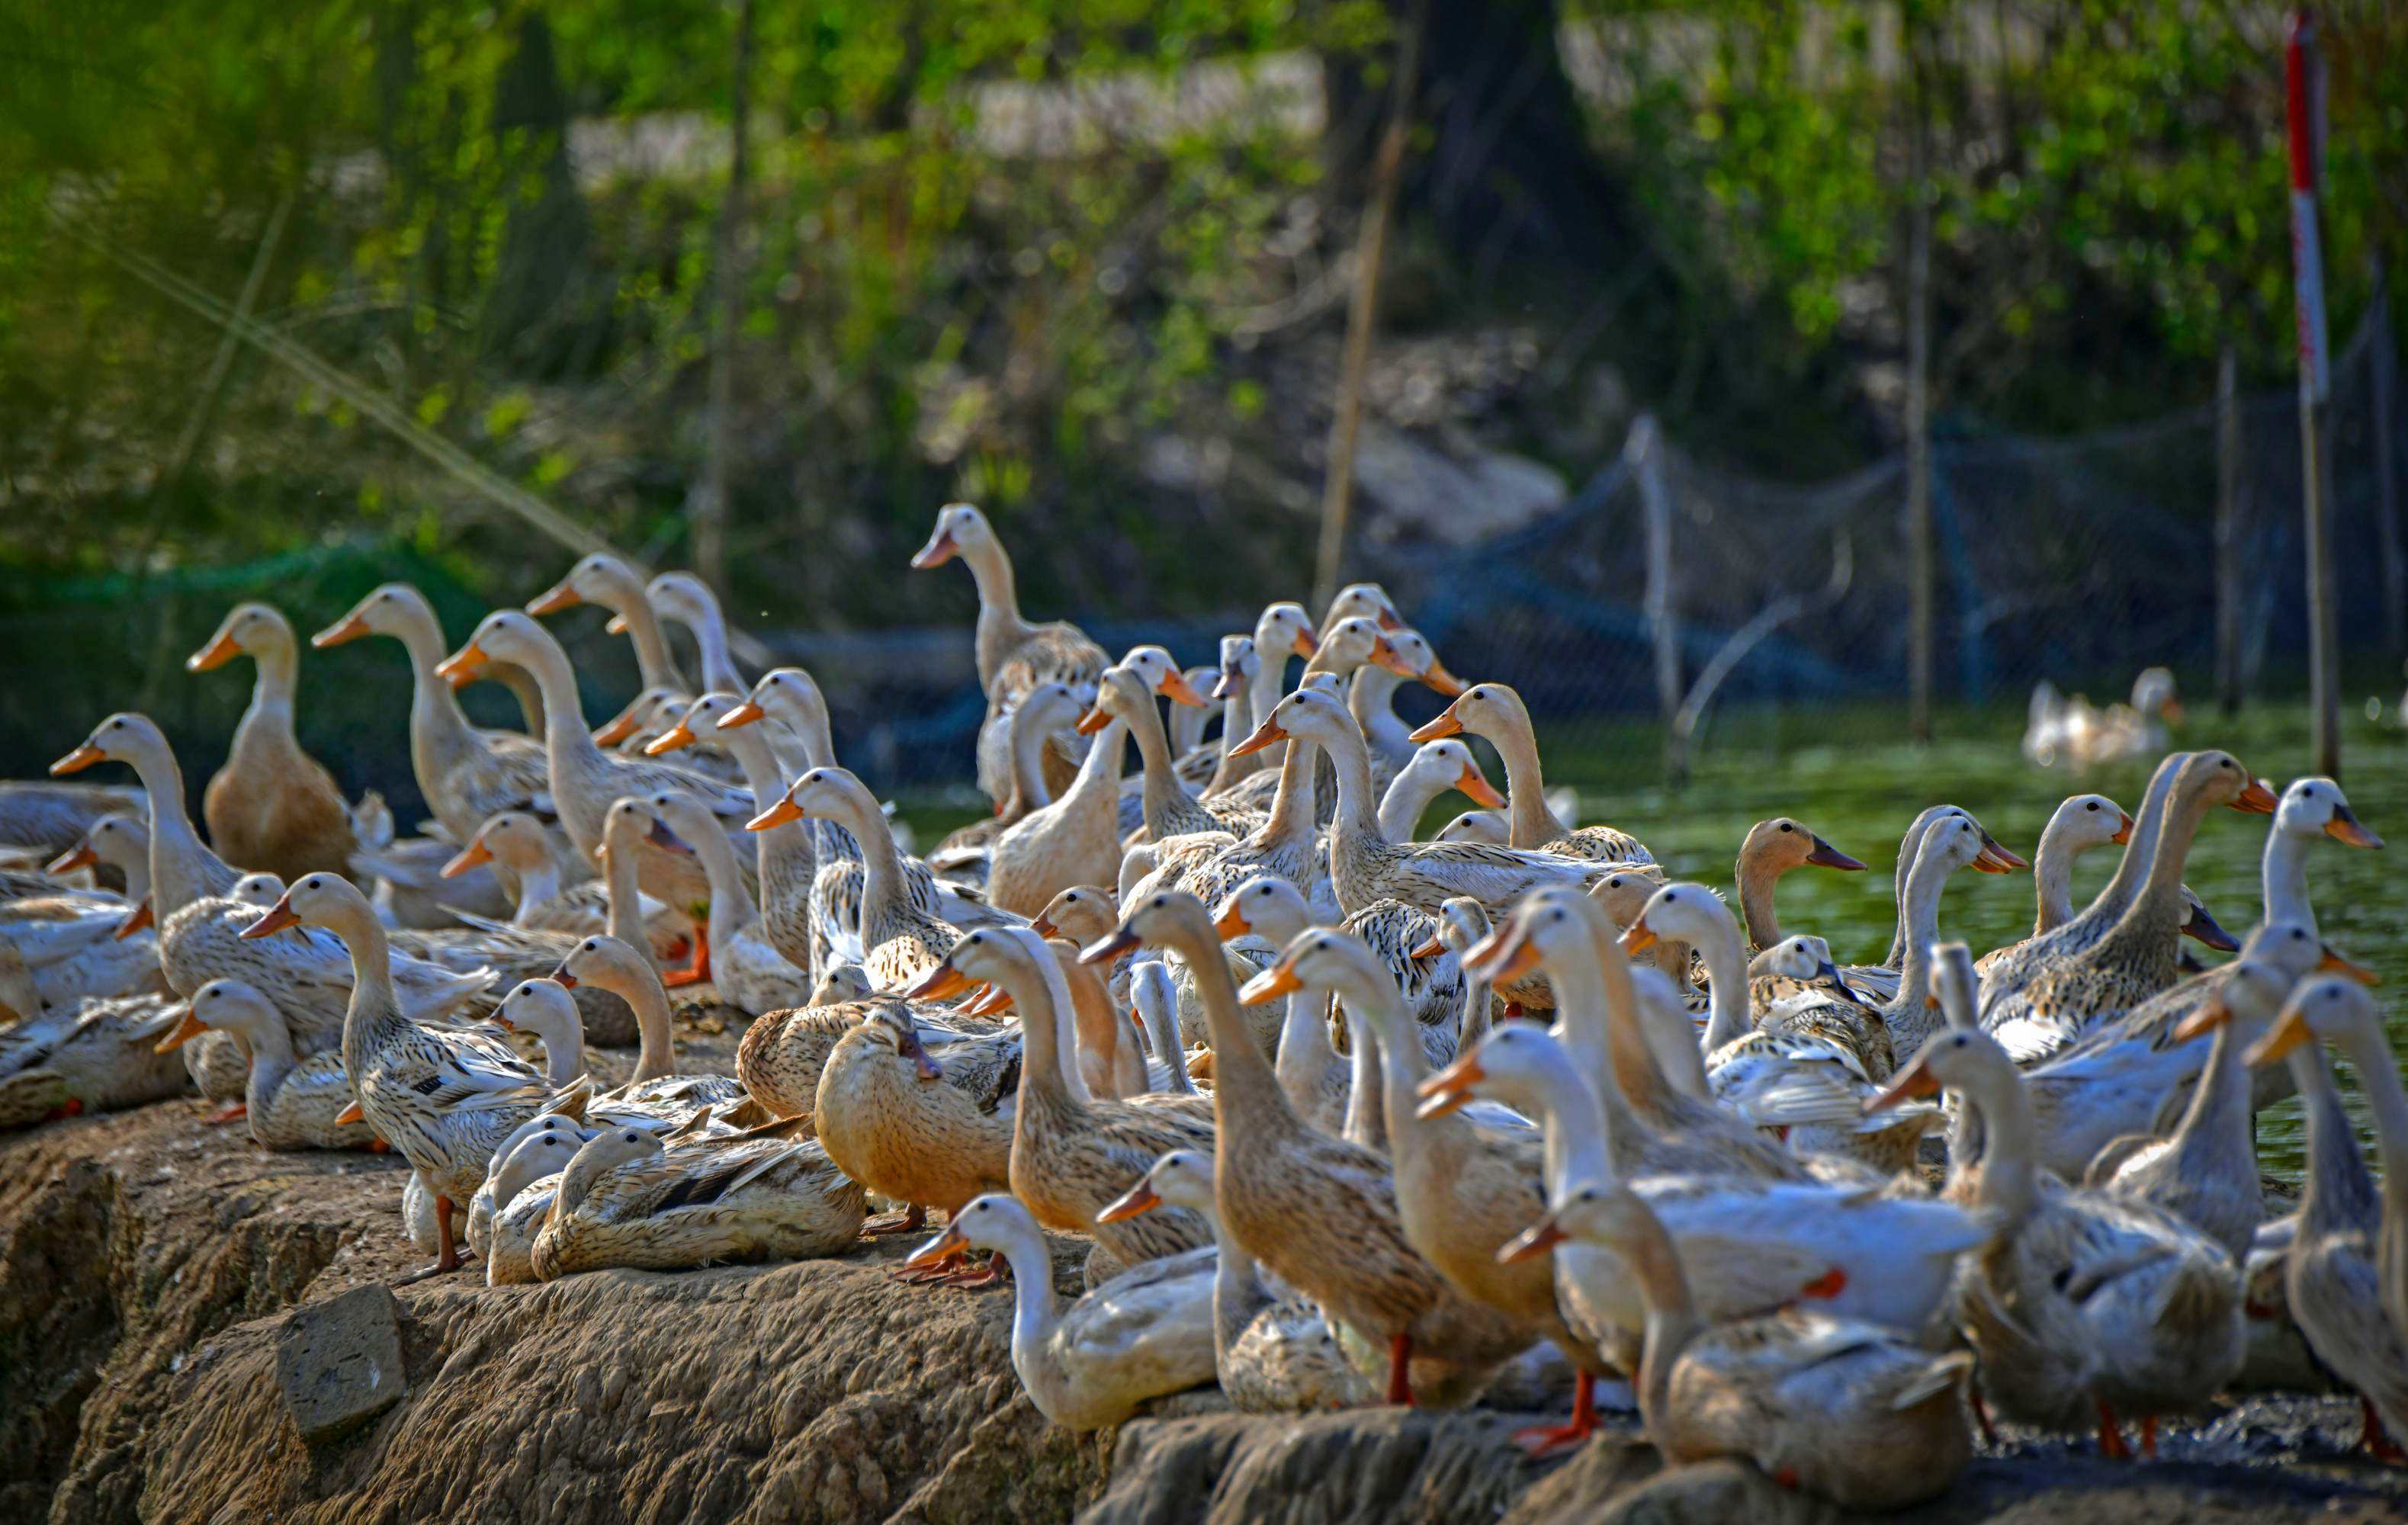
[1915,1080]
[1996,858]
[2290,1030]
[188,1028]
[2256,799]
[134,920]
[1475,783]
[942,983]
[1139,1198]
[80,760]
[460,666]
[1179,690]
[2345,829]
[278,917]
[1640,938]
[1504,955]
[1430,948]
[618,729]
[615,625]
[217,653]
[1386,619]
[2212,1014]
[562,978]
[669,740]
[1450,1089]
[1231,680]
[553,600]
[1043,927]
[1232,923]
[2122,830]
[1440,681]
[1445,725]
[950,1242]
[1093,721]
[941,549]
[2172,712]
[1265,734]
[2333,963]
[1105,949]
[1537,1240]
[1305,644]
[1278,980]
[78,856]
[778,814]
[350,1114]
[1384,654]
[991,1000]
[743,714]
[349,627]
[476,855]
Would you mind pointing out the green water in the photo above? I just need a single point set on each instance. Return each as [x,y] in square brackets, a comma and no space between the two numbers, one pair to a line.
[1849,776]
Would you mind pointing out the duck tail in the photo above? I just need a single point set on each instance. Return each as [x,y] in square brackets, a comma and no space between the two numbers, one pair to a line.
[1944,1374]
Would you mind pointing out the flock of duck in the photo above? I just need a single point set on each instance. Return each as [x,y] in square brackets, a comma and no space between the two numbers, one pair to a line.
[1346,1117]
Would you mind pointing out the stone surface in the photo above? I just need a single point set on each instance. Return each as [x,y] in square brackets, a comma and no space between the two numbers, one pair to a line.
[339,1363]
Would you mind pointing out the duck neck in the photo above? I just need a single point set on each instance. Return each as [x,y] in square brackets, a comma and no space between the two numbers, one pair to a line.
[2150,927]
[1028,791]
[1304,1052]
[374,1013]
[882,890]
[1671,1320]
[1246,1091]
[1036,1314]
[2053,880]
[1292,804]
[182,868]
[1403,1066]
[563,1056]
[1263,695]
[709,630]
[1049,1068]
[271,1060]
[2337,1194]
[809,724]
[539,885]
[1908,847]
[2212,1139]
[1163,794]
[1370,699]
[1571,1120]
[1728,1018]
[731,904]
[1234,715]
[1367,1114]
[656,1050]
[1757,876]
[1358,810]
[1409,793]
[585,1167]
[2387,1102]
[2139,850]
[1096,788]
[1000,629]
[1529,822]
[2283,872]
[2006,1184]
[1909,1015]
[581,786]
[787,844]
[623,918]
[276,674]
[441,738]
[654,665]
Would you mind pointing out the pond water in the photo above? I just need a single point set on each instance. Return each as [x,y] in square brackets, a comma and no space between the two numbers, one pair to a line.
[1849,775]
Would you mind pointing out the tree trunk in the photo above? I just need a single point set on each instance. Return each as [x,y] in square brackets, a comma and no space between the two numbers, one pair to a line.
[708,515]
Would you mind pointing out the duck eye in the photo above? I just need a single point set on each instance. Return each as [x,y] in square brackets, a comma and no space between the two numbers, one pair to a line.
[1784,825]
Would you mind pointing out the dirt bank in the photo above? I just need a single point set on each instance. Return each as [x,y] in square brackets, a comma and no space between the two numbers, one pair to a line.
[149,1265]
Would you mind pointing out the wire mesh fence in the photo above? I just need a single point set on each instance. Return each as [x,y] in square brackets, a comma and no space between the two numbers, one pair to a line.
[2078,559]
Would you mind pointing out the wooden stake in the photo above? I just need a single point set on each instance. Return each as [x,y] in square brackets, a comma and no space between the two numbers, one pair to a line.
[1362,313]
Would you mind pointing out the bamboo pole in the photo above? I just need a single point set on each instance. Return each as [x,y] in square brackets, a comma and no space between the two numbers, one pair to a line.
[1362,314]
[1645,450]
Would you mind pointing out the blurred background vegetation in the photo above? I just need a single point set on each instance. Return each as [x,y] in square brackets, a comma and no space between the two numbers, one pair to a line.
[1086,262]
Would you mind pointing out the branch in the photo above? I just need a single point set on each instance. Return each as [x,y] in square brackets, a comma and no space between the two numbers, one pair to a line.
[1735,648]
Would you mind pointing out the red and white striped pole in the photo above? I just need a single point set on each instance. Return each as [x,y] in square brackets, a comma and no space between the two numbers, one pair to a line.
[2303,99]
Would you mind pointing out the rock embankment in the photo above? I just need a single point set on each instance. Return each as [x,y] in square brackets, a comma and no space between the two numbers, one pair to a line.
[174,1313]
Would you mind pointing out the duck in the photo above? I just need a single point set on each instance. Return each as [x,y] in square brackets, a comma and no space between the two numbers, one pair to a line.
[1364,865]
[585,780]
[2086,1304]
[1347,650]
[1285,845]
[2309,809]
[747,971]
[82,944]
[1155,1002]
[899,941]
[786,860]
[2075,732]
[1770,851]
[1126,691]
[1276,1176]
[1404,656]
[1848,1411]
[291,1102]
[1425,772]
[518,1197]
[686,600]
[272,806]
[2020,963]
[442,1097]
[659,1088]
[2079,824]
[605,580]
[519,843]
[307,977]
[122,842]
[1462,1192]
[2133,1076]
[1317,1080]
[1144,1334]
[92,1056]
[467,776]
[1494,712]
[1282,630]
[1752,1245]
[2136,957]
[46,816]
[1013,656]
[545,1012]
[2343,1271]
[1073,1154]
[1880,981]
[918,1116]
[630,1197]
[1273,1351]
[2205,1170]
[1047,710]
